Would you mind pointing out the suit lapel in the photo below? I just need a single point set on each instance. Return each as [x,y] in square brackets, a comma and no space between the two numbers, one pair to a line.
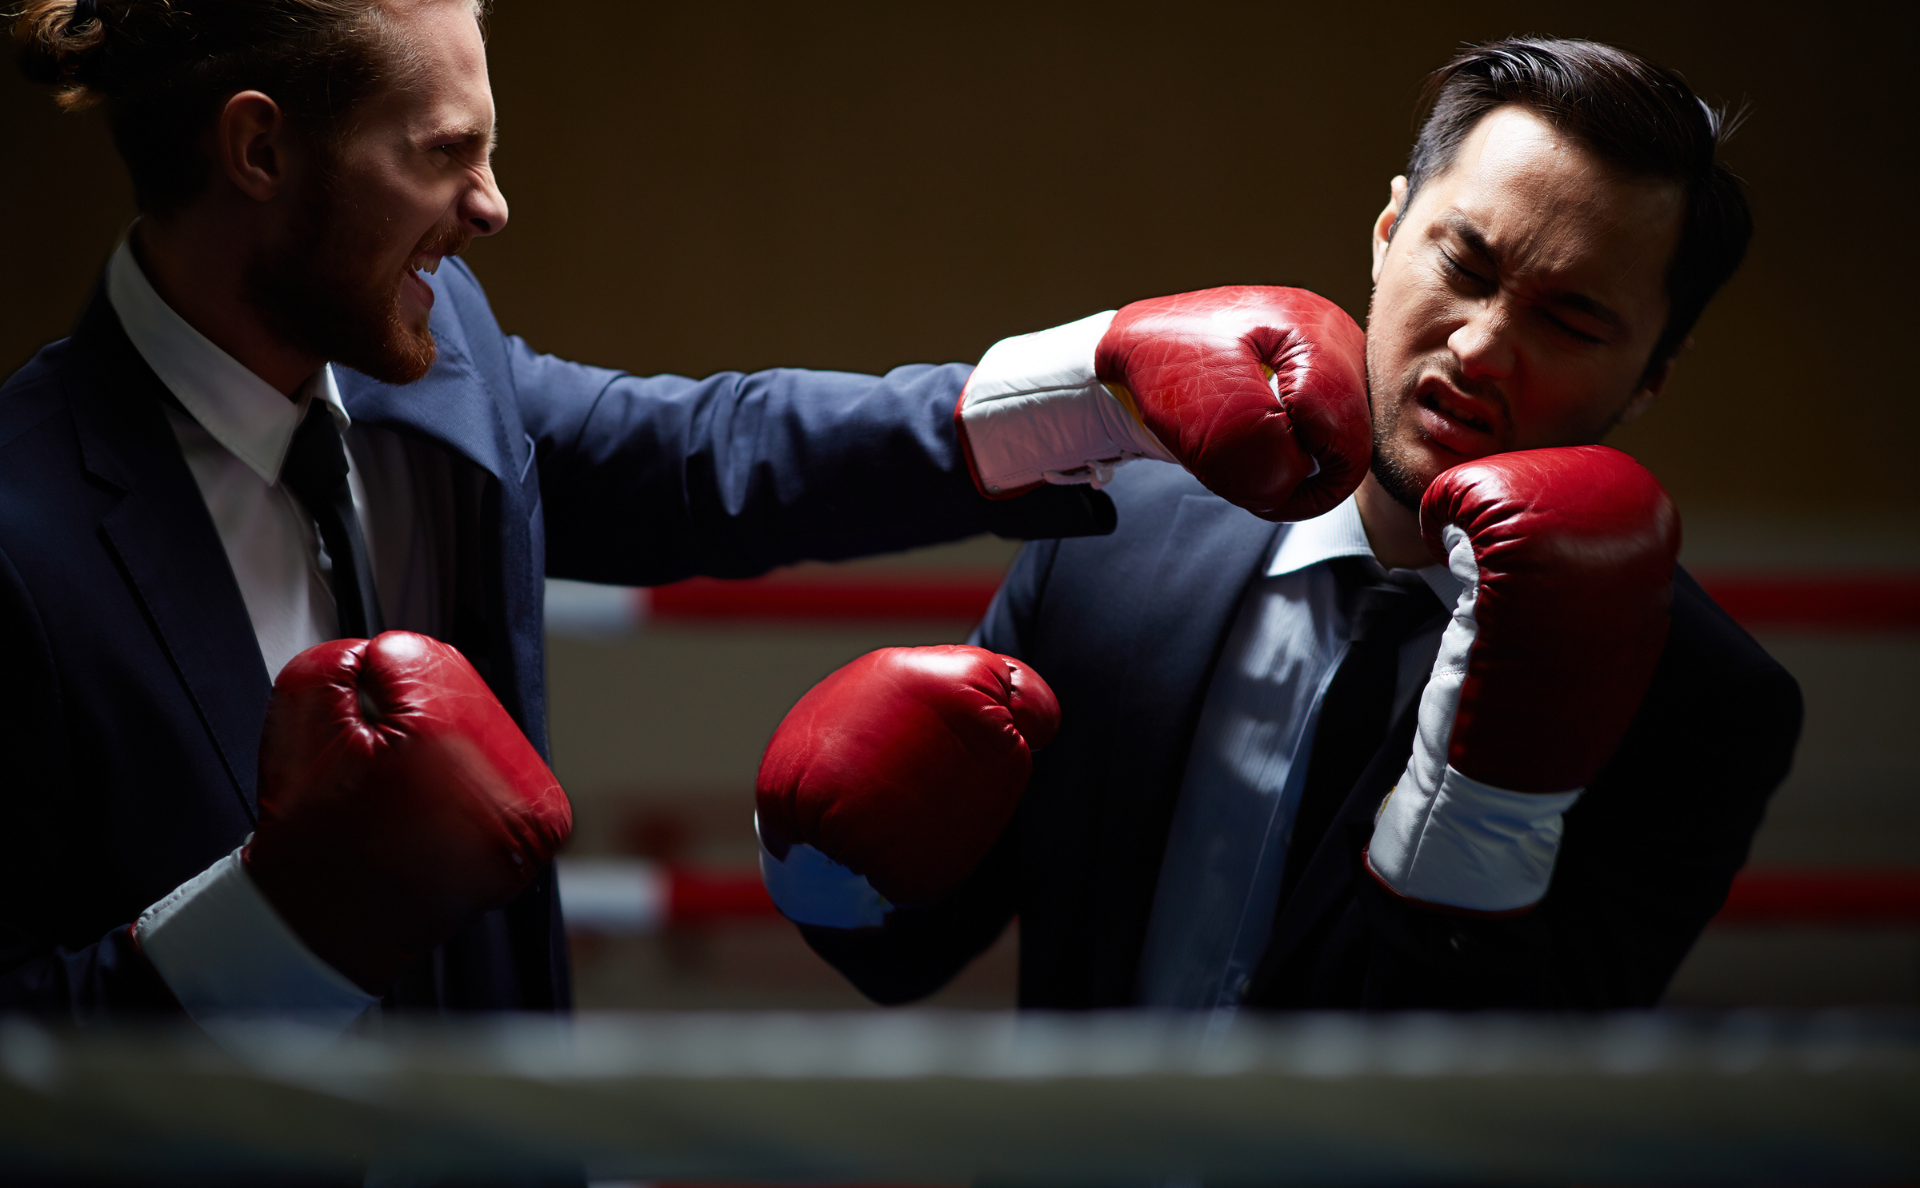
[1327,884]
[465,405]
[453,404]
[1209,553]
[165,540]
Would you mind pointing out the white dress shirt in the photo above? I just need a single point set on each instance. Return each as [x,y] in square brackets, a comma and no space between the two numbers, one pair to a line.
[1227,848]
[215,940]
[235,432]
[1240,788]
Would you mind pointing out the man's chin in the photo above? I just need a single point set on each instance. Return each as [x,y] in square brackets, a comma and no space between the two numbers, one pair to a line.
[397,357]
[1405,472]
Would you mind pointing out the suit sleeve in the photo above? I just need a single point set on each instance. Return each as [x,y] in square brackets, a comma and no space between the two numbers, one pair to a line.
[647,480]
[87,979]
[918,950]
[1648,859]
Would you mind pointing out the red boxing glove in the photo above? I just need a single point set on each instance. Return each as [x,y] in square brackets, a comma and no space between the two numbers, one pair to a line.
[906,765]
[397,801]
[1567,560]
[1259,391]
[1574,551]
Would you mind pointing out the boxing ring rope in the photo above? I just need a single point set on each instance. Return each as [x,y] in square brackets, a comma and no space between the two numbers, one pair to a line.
[635,896]
[1848,601]
[905,1097]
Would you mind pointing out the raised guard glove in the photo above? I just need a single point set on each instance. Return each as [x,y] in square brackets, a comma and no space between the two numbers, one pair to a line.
[398,800]
[1567,559]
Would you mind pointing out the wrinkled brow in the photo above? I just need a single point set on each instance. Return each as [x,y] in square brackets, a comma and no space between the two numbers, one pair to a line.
[1464,230]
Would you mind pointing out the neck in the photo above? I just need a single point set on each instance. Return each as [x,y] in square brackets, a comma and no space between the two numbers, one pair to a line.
[1393,529]
[197,262]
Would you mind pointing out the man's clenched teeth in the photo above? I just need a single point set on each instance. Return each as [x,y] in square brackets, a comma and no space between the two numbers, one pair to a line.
[1453,411]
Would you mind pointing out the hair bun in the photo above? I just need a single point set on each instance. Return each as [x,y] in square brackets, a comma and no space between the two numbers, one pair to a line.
[60,44]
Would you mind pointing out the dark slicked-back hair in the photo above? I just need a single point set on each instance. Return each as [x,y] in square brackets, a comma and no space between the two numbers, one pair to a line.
[1639,117]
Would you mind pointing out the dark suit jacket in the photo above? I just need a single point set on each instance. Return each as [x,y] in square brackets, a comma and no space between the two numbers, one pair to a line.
[1127,629]
[134,690]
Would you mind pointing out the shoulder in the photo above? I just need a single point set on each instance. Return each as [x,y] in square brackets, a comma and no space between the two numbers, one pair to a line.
[32,394]
[1707,647]
[457,282]
[1721,713]
[1167,524]
[1148,499]
[1175,562]
[1149,492]
[464,317]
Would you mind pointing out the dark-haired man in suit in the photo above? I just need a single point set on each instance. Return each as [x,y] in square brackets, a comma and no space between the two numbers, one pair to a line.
[1439,747]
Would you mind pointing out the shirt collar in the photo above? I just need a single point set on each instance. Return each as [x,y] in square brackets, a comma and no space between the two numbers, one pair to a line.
[241,411]
[1339,533]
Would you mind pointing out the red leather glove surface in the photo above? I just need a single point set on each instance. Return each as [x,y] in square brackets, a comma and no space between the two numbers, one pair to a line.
[1575,549]
[397,801]
[1197,367]
[905,765]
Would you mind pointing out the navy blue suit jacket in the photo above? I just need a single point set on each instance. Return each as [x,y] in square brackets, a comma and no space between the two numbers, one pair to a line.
[134,690]
[1127,629]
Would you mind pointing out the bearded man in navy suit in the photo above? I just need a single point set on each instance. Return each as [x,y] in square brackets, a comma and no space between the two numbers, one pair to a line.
[287,417]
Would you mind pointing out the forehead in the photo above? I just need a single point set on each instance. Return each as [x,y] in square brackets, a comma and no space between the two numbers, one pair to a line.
[1549,205]
[444,84]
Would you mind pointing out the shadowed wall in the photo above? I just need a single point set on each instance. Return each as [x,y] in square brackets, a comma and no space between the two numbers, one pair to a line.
[697,187]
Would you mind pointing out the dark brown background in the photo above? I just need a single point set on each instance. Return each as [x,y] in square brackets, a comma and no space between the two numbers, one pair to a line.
[696,187]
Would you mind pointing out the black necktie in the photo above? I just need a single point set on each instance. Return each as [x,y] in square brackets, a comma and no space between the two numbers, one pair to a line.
[1382,614]
[316,472]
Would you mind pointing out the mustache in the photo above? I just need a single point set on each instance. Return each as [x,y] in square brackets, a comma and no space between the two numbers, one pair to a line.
[450,240]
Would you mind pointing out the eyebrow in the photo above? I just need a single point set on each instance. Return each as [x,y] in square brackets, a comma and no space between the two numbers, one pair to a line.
[469,134]
[1468,234]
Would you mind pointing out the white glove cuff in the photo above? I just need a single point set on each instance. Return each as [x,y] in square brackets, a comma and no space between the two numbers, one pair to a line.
[1467,845]
[810,888]
[1441,837]
[222,949]
[1033,411]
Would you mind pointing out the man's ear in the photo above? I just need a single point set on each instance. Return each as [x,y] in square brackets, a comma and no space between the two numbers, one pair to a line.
[250,145]
[1383,226]
[1651,387]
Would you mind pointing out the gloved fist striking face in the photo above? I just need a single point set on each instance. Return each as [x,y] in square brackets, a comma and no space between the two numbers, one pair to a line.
[906,765]
[397,801]
[1259,391]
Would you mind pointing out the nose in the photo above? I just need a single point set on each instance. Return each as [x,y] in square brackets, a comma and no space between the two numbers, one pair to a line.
[483,208]
[1484,342]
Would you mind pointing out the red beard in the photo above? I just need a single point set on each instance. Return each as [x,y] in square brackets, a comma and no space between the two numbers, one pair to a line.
[325,293]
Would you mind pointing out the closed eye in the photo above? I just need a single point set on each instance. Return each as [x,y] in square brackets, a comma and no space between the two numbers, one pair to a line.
[1460,272]
[1580,335]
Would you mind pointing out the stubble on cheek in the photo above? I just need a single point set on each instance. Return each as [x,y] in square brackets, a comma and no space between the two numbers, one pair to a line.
[329,293]
[1394,466]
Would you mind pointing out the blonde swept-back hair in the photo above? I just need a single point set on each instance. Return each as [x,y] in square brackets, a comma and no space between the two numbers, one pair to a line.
[161,69]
